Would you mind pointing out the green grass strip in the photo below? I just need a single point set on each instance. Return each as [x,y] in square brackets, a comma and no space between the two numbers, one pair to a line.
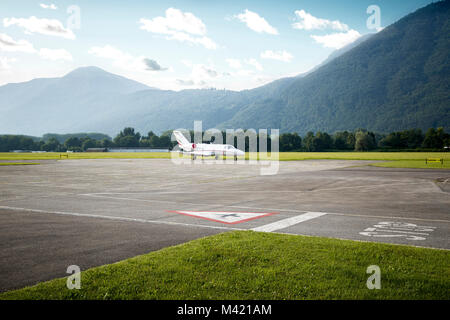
[283,156]
[251,265]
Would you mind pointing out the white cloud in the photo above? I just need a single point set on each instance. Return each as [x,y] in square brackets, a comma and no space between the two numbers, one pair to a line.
[55,54]
[334,40]
[337,40]
[48,6]
[125,60]
[309,22]
[185,83]
[237,64]
[184,37]
[255,63]
[110,52]
[200,71]
[9,44]
[277,55]
[5,63]
[180,26]
[187,63]
[244,73]
[234,63]
[256,23]
[202,76]
[175,20]
[32,25]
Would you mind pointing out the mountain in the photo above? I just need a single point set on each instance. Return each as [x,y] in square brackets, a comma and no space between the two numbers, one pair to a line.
[61,104]
[340,52]
[395,79]
[85,79]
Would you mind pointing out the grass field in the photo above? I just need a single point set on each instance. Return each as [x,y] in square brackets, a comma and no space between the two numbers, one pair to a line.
[396,159]
[251,265]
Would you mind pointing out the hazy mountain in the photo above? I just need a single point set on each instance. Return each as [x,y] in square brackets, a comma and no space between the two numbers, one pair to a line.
[85,79]
[393,80]
[399,78]
[61,104]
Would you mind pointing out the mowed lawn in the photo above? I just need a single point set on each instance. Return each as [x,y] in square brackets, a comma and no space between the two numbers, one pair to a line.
[392,159]
[252,265]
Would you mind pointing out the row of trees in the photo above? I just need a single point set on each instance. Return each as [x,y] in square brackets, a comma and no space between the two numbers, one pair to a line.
[359,140]
[363,140]
[127,138]
[14,142]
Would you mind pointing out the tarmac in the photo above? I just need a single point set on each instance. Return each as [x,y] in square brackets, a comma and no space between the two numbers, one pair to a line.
[93,212]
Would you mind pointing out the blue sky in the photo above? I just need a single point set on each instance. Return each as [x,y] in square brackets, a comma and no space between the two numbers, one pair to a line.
[183,44]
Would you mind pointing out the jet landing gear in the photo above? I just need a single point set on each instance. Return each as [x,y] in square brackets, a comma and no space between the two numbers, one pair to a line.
[193,157]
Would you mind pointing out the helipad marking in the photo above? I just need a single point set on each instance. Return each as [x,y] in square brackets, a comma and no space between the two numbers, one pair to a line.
[227,217]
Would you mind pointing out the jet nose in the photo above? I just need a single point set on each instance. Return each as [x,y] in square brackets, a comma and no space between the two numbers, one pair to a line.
[240,153]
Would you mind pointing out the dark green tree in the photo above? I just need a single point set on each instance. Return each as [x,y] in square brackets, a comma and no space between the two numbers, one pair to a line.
[290,142]
[88,143]
[52,145]
[365,141]
[127,138]
[308,141]
[72,144]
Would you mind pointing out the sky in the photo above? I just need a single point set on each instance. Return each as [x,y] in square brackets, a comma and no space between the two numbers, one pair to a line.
[176,45]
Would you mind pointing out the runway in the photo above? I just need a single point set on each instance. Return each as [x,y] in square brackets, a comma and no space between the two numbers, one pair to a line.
[93,212]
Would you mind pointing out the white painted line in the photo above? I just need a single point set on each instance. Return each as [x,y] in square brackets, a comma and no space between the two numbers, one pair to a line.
[223,205]
[262,191]
[289,222]
[397,231]
[117,218]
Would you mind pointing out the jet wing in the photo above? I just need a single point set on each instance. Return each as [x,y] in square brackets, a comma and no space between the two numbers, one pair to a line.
[203,153]
[200,153]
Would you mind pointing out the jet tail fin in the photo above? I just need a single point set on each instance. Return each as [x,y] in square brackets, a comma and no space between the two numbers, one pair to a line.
[182,141]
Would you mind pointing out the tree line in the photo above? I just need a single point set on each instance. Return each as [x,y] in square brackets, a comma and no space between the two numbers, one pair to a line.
[358,140]
[363,140]
[127,138]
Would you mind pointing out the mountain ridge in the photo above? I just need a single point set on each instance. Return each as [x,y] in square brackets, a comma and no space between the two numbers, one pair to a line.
[393,80]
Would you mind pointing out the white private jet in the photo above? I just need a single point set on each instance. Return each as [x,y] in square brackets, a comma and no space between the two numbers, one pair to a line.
[206,150]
